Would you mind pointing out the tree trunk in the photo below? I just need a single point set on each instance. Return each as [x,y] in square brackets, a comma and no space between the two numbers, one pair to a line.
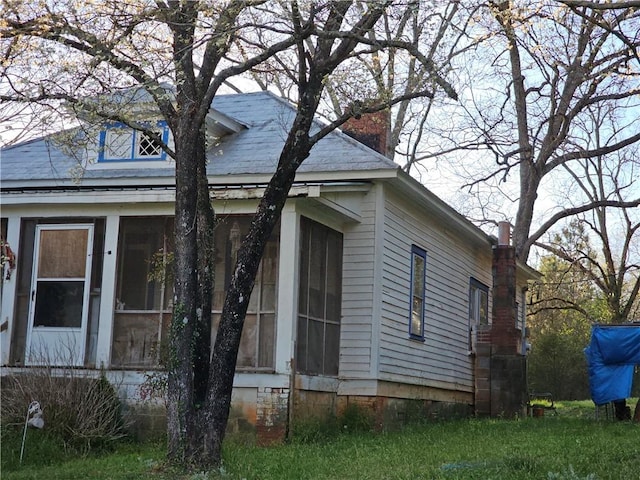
[227,342]
[529,183]
[180,367]
[202,330]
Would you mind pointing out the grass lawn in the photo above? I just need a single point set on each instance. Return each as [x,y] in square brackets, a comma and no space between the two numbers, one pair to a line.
[570,445]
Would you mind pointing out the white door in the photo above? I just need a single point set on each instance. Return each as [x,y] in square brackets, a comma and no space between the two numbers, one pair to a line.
[58,311]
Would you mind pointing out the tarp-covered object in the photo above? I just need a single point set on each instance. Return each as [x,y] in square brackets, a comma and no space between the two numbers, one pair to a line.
[611,355]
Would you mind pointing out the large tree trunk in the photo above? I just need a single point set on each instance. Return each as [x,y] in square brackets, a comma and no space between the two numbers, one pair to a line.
[529,183]
[180,373]
[202,330]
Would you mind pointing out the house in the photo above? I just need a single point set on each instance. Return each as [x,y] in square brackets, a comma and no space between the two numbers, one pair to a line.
[372,290]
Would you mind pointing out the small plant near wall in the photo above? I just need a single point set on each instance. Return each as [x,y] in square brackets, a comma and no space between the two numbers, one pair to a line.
[154,387]
[161,264]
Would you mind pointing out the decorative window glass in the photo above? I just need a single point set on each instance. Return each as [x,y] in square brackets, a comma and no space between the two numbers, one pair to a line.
[319,299]
[417,299]
[119,143]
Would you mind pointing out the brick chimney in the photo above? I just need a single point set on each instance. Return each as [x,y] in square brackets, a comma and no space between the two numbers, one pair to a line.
[371,129]
[500,370]
[505,337]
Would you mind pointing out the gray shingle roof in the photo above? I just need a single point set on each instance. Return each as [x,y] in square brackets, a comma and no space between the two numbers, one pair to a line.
[251,151]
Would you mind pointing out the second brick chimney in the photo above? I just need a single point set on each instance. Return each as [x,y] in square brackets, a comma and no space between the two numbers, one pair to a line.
[500,370]
[371,129]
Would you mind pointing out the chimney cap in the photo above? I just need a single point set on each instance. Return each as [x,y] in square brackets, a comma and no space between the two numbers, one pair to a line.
[504,233]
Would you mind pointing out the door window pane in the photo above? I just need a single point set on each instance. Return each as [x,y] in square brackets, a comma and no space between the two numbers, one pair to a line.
[61,253]
[59,304]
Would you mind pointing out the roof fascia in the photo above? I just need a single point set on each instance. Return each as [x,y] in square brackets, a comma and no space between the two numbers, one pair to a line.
[218,124]
[408,185]
[460,222]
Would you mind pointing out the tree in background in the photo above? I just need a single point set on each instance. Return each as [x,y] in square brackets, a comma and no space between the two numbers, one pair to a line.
[591,275]
[562,307]
[426,38]
[611,261]
[63,51]
[529,79]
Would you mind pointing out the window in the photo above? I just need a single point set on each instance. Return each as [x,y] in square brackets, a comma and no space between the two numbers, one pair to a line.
[478,308]
[143,291]
[521,311]
[119,143]
[418,272]
[478,303]
[145,285]
[257,344]
[6,255]
[320,299]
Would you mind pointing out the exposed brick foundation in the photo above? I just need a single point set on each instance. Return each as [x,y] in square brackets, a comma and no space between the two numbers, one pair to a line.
[272,411]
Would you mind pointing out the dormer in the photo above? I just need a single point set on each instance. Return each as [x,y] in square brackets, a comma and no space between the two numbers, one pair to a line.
[121,143]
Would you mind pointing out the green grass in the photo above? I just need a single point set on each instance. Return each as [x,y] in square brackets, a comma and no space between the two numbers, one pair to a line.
[569,445]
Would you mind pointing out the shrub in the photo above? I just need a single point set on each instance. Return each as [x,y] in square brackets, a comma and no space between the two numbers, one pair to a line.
[85,413]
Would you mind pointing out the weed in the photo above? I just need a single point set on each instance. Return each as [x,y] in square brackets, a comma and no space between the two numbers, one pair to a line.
[81,413]
[356,419]
[569,474]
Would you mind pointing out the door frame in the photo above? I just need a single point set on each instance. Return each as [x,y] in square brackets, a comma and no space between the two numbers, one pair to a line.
[76,334]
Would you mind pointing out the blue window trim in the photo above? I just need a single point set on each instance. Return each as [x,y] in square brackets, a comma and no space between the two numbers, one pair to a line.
[417,251]
[134,137]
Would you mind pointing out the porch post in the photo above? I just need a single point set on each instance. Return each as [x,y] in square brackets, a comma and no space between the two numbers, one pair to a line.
[9,292]
[287,314]
[107,292]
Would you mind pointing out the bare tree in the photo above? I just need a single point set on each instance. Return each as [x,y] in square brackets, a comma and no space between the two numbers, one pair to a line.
[602,6]
[526,93]
[197,46]
[588,67]
[433,35]
[610,259]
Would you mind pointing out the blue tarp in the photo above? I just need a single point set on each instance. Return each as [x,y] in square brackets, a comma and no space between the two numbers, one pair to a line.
[611,356]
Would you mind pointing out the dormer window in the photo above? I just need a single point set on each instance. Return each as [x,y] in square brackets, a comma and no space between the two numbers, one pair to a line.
[120,143]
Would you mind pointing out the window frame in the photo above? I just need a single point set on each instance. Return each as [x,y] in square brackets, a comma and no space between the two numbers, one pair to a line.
[136,138]
[476,286]
[417,253]
[521,311]
[325,244]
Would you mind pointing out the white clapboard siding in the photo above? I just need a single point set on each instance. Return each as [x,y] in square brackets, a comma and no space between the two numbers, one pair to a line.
[442,359]
[356,334]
